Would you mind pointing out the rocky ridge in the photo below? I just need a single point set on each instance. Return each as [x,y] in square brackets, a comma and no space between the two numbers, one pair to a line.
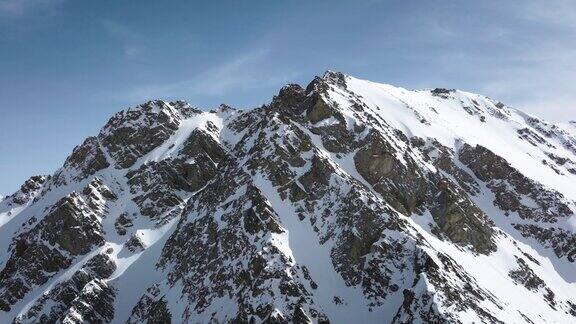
[343,201]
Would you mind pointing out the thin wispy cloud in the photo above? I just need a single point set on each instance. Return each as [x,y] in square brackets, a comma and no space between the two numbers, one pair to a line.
[561,13]
[19,7]
[543,84]
[240,72]
[131,42]
[236,72]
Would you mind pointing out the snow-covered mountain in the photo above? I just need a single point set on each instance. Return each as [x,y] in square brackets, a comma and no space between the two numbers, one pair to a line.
[345,202]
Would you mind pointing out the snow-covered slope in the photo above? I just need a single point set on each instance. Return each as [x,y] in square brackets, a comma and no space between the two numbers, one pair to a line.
[346,201]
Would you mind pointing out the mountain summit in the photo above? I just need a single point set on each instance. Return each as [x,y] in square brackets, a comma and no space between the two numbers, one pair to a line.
[346,201]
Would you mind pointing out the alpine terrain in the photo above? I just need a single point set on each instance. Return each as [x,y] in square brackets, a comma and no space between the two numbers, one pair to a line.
[346,201]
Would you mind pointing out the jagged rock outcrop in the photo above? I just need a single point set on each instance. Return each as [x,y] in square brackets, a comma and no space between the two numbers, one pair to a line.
[72,227]
[83,297]
[511,189]
[157,186]
[135,132]
[28,191]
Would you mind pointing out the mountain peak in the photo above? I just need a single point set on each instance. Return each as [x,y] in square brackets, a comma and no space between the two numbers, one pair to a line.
[345,201]
[224,108]
[338,78]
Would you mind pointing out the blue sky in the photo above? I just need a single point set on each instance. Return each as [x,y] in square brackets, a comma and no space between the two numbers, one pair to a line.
[66,66]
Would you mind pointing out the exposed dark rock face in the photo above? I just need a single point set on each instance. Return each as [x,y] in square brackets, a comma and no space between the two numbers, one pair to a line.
[157,185]
[71,228]
[444,160]
[561,241]
[362,252]
[151,308]
[75,230]
[402,185]
[135,244]
[290,100]
[28,266]
[87,158]
[410,191]
[319,111]
[526,277]
[94,304]
[82,298]
[420,302]
[441,92]
[375,161]
[510,186]
[123,223]
[462,221]
[28,191]
[245,265]
[132,133]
